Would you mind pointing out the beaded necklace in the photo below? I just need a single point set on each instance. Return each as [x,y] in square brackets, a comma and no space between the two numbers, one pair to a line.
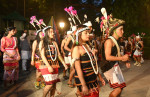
[95,71]
[55,52]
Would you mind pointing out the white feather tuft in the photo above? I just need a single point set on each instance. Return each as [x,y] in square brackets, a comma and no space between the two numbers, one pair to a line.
[97,20]
[85,16]
[69,19]
[74,28]
[104,12]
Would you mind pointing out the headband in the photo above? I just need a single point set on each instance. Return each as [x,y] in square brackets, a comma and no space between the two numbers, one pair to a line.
[78,31]
[45,29]
[38,31]
[69,32]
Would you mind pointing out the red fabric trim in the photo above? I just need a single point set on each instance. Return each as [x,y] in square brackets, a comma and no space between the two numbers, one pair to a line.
[68,64]
[115,65]
[116,85]
[39,79]
[93,94]
[11,64]
[38,70]
[137,55]
[99,57]
[45,71]
[37,65]
[52,82]
[129,53]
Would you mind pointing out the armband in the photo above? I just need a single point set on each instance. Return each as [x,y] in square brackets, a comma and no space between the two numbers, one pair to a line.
[73,61]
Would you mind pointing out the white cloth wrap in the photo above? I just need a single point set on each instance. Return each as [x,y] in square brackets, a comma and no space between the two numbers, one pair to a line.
[68,59]
[114,75]
[50,77]
[137,53]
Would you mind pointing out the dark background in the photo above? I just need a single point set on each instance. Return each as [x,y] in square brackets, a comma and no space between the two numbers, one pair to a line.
[136,13]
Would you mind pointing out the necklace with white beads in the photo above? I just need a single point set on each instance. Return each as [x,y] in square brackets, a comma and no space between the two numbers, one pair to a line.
[55,52]
[95,71]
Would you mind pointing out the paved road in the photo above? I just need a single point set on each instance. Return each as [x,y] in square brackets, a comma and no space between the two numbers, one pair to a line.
[137,79]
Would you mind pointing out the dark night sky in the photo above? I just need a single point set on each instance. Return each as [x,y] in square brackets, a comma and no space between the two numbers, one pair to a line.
[47,8]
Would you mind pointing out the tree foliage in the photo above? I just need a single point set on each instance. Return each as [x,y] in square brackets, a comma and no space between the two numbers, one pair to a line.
[136,13]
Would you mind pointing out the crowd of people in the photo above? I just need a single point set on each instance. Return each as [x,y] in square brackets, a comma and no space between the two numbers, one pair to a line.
[83,54]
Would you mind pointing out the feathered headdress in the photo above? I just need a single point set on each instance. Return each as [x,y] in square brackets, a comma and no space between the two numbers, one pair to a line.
[138,36]
[39,23]
[73,17]
[71,25]
[143,34]
[108,23]
[73,14]
[86,22]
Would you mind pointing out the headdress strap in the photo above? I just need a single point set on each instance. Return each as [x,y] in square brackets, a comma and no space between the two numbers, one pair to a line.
[78,31]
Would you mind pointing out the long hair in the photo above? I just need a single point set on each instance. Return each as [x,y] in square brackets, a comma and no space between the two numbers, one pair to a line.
[37,38]
[46,39]
[9,29]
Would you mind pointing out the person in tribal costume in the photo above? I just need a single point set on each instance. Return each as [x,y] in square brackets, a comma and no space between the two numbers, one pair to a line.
[67,47]
[137,53]
[87,23]
[128,48]
[92,41]
[111,57]
[35,60]
[49,54]
[11,56]
[86,67]
[122,46]
[142,52]
[65,53]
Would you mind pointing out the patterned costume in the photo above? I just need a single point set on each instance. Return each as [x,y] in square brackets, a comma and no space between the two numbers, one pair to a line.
[50,78]
[112,70]
[67,53]
[89,76]
[11,65]
[137,52]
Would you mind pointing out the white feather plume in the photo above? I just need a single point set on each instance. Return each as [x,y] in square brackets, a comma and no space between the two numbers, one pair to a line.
[97,20]
[104,12]
[85,16]
[69,19]
[70,22]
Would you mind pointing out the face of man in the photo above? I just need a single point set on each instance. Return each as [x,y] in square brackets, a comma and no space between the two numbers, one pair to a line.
[120,31]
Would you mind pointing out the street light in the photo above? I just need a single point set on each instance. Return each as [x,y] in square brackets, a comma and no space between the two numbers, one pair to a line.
[62,25]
